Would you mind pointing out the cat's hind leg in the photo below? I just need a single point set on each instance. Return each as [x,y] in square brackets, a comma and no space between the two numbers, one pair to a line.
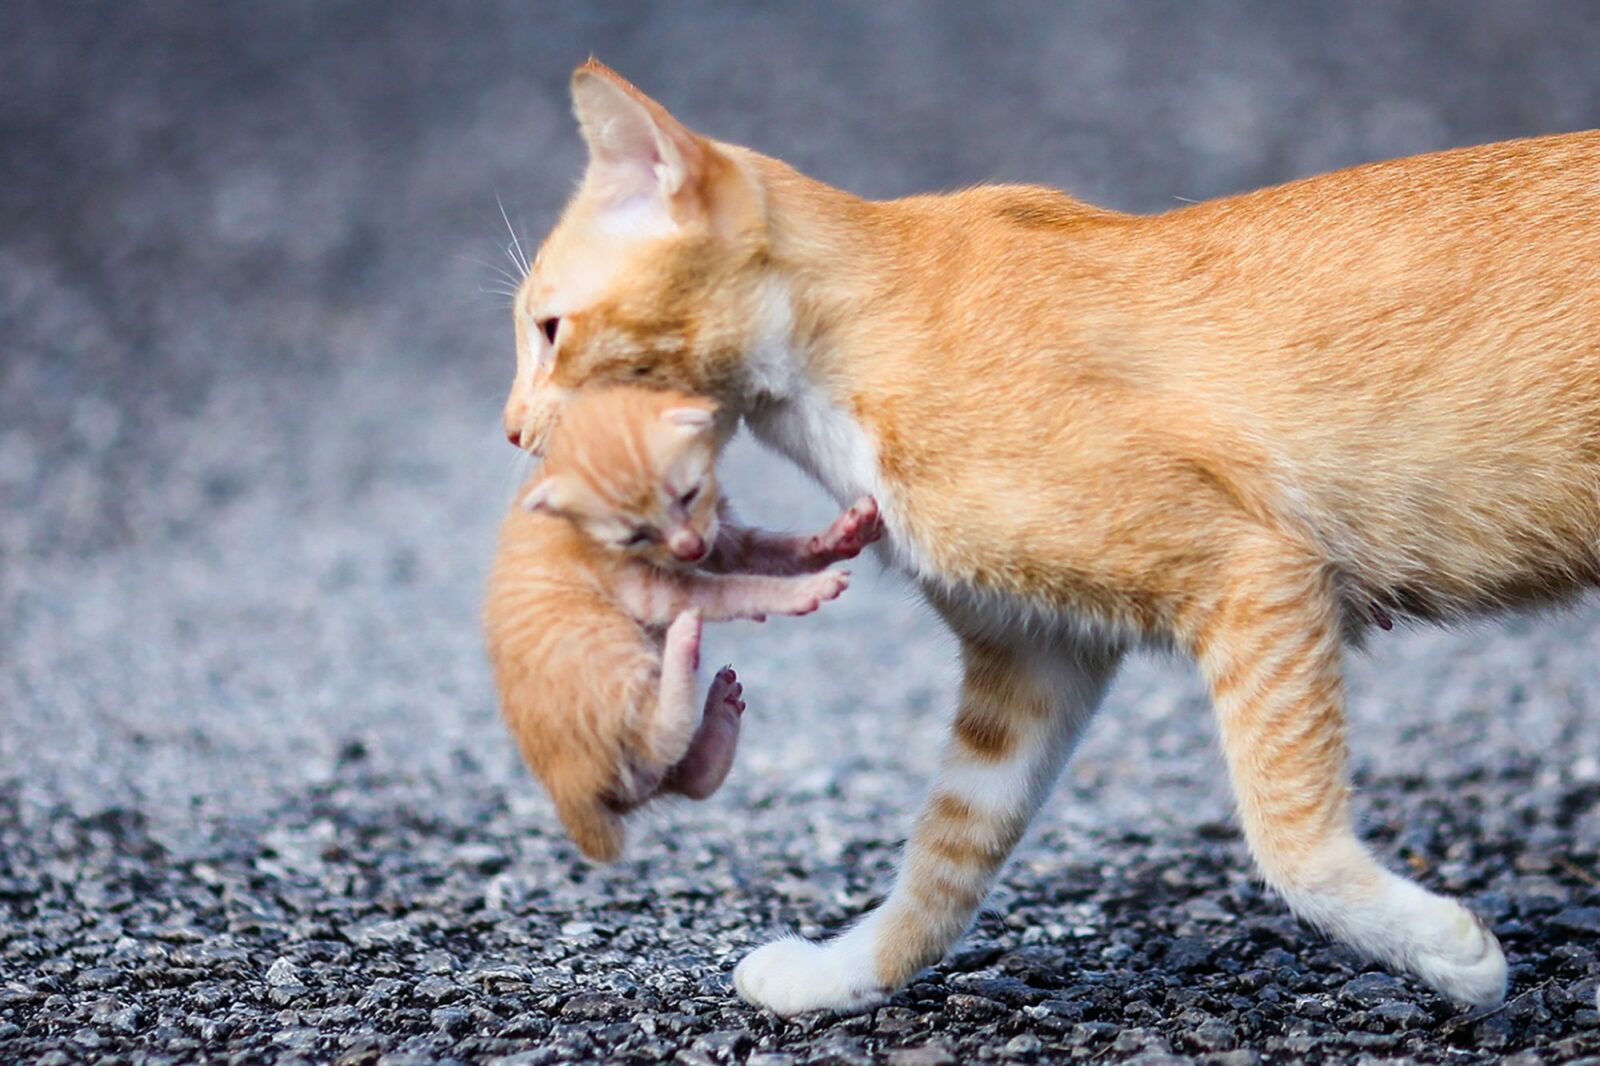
[1020,714]
[1268,644]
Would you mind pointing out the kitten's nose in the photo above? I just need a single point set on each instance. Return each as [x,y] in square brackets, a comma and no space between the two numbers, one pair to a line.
[687,545]
[514,435]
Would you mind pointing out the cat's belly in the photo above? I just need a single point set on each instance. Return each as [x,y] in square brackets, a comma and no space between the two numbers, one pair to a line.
[841,455]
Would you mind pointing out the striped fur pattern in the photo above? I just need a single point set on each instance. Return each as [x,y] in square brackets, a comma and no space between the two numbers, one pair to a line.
[1245,429]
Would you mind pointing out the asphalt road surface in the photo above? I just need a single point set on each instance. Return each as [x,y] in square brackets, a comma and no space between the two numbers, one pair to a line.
[255,803]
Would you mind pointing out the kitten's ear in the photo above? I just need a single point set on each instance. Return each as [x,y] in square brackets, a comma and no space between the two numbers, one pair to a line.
[690,419]
[635,146]
[542,497]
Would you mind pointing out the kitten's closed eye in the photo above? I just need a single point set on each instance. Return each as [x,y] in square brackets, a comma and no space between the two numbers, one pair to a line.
[640,536]
[687,498]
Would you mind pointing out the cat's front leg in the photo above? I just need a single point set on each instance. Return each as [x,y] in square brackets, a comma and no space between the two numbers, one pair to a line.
[655,598]
[746,549]
[1268,643]
[1021,712]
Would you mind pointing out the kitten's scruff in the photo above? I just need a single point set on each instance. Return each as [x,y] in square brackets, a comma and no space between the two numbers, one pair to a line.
[594,609]
[1245,429]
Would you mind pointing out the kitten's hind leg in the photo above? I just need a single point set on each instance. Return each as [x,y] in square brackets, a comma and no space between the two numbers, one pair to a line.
[1020,715]
[1269,647]
[710,756]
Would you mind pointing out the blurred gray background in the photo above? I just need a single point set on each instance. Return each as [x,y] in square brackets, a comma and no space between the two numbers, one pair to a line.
[250,374]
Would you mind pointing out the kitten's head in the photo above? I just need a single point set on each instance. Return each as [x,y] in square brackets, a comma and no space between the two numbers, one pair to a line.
[635,471]
[651,276]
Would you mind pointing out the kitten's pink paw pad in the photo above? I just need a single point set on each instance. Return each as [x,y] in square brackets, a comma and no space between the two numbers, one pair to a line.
[850,532]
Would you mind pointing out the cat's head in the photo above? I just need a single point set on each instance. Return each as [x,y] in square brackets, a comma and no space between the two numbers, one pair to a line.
[652,275]
[635,470]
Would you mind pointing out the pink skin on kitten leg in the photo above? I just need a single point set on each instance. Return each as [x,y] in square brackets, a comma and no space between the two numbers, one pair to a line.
[710,756]
[683,639]
[849,534]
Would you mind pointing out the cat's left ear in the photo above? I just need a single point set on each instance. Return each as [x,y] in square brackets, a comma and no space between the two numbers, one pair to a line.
[640,157]
[635,146]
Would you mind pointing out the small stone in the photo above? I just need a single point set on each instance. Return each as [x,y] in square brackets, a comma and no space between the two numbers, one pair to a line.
[117,1018]
[724,1045]
[1186,954]
[1024,1046]
[1237,1057]
[98,977]
[968,1008]
[1086,1033]
[838,1050]
[1371,989]
[593,1007]
[1494,1032]
[922,1055]
[283,972]
[453,1021]
[771,1058]
[526,1026]
[1398,1014]
[1578,919]
[1214,1035]
[437,989]
[1141,1040]
[380,934]
[482,858]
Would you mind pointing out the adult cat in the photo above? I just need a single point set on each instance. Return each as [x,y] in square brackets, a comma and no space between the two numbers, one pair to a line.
[1246,428]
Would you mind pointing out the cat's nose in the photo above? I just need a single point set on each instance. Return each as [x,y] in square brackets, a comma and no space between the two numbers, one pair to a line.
[687,545]
[514,435]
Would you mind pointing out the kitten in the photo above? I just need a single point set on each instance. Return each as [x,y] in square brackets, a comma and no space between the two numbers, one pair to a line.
[594,607]
[1245,429]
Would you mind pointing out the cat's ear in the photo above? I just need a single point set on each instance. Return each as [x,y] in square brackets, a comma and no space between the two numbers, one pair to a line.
[543,496]
[690,419]
[635,147]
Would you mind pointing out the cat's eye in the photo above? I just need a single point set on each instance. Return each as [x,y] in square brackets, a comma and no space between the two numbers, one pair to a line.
[687,498]
[641,370]
[549,326]
[640,536]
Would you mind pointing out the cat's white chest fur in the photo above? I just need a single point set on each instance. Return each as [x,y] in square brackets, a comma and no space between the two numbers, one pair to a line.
[791,414]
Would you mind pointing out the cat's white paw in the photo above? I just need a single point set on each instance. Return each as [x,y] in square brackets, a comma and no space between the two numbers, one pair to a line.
[1458,955]
[792,976]
[1413,930]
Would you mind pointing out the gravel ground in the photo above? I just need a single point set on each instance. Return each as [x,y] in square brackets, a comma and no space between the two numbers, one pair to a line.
[255,804]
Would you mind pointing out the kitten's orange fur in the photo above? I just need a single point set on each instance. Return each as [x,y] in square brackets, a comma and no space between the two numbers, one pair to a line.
[1243,428]
[593,613]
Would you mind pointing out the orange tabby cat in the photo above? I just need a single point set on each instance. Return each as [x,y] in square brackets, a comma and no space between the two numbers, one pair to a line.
[1244,428]
[594,610]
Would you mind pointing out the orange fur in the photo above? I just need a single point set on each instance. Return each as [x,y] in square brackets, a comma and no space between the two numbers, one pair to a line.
[594,607]
[1244,428]
[578,676]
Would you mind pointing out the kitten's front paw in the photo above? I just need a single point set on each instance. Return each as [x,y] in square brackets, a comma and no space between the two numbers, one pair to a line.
[792,976]
[849,534]
[806,594]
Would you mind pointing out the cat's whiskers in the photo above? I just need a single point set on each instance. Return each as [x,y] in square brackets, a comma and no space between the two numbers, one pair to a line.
[517,470]
[514,249]
[504,274]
